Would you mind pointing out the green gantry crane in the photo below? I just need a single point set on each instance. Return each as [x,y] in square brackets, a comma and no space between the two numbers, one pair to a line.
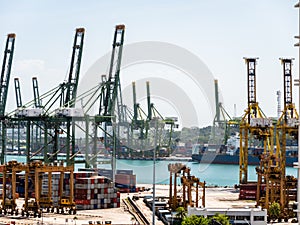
[111,96]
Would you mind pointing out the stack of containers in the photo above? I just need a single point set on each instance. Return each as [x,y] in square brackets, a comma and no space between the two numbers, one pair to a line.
[248,191]
[125,181]
[54,187]
[96,192]
[90,191]
[105,172]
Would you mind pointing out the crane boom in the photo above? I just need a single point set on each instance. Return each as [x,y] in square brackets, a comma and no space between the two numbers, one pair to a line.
[74,68]
[113,87]
[5,72]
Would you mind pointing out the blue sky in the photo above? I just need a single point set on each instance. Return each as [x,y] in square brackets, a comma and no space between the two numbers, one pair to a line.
[219,32]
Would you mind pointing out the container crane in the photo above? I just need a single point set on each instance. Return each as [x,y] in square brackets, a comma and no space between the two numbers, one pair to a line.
[111,97]
[4,83]
[168,122]
[67,96]
[138,122]
[253,123]
[221,120]
[71,91]
[272,172]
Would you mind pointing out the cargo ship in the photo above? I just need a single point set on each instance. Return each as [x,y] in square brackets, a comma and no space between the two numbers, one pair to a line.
[229,154]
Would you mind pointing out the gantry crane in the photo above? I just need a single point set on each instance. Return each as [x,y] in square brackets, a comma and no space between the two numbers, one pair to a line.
[157,122]
[71,91]
[168,122]
[9,171]
[189,183]
[272,172]
[138,124]
[174,169]
[111,97]
[41,117]
[4,83]
[66,202]
[138,121]
[221,120]
[253,123]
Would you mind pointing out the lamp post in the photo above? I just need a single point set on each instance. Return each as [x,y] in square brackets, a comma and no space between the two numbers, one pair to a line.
[155,147]
[298,166]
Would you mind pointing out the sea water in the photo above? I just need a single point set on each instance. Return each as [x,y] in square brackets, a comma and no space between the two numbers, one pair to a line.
[212,174]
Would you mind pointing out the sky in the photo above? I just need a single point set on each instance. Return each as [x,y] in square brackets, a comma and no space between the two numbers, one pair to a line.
[220,33]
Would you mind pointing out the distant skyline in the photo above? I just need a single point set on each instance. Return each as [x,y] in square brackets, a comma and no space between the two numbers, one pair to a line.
[219,32]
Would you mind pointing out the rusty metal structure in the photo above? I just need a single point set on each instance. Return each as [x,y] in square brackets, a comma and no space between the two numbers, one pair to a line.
[189,184]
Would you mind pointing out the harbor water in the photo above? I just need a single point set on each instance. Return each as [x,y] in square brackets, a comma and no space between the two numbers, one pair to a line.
[212,174]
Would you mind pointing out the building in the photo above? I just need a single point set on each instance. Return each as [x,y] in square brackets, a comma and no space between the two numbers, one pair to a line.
[240,216]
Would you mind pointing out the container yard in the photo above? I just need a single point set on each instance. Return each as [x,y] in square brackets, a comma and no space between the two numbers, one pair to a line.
[67,140]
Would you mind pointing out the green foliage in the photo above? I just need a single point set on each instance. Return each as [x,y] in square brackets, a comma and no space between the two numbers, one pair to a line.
[221,218]
[193,134]
[274,211]
[181,212]
[200,220]
[195,220]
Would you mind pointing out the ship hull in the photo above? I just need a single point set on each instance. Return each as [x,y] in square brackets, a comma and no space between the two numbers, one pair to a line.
[233,159]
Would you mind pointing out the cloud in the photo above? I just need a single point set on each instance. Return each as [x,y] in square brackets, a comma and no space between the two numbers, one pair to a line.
[29,66]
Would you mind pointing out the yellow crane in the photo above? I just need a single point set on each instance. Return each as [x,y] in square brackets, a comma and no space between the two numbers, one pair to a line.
[253,124]
[271,173]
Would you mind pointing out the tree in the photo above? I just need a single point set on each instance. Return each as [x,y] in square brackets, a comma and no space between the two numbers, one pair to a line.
[274,211]
[181,213]
[195,220]
[221,218]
